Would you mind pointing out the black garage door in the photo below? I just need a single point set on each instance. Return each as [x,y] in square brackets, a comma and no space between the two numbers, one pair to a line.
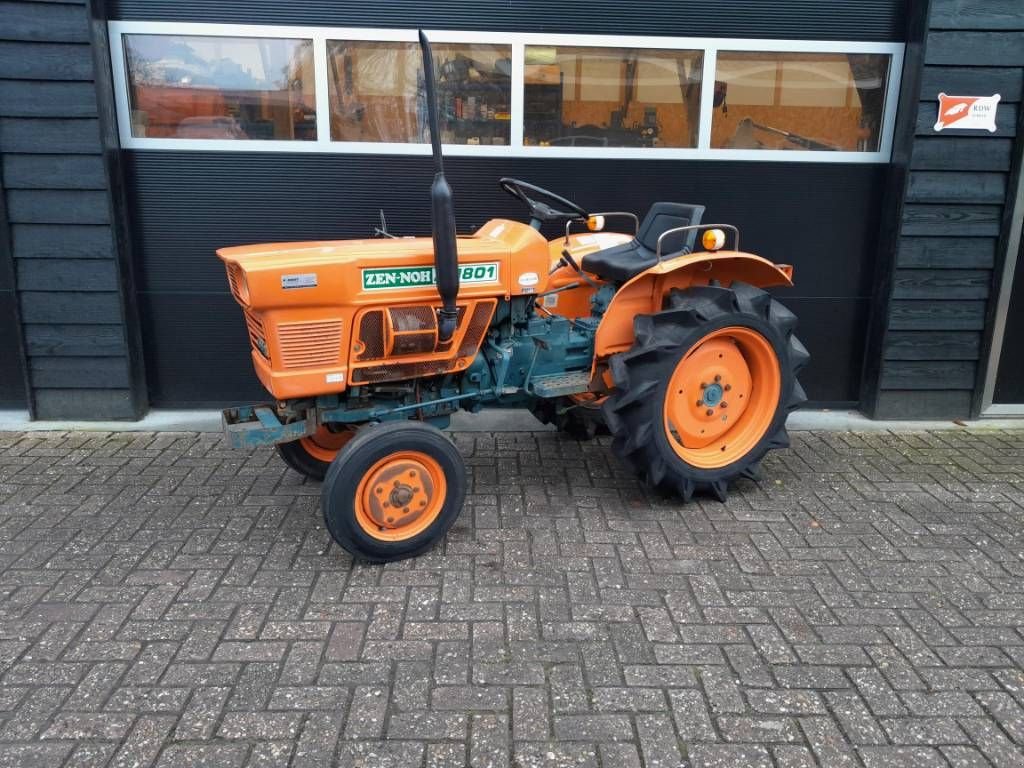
[820,218]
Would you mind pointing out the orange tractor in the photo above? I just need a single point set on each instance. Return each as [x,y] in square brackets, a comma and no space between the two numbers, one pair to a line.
[369,346]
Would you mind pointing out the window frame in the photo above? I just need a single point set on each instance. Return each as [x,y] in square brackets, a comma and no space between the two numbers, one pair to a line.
[517,41]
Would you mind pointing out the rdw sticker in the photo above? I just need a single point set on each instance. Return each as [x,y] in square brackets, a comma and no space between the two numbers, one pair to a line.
[970,113]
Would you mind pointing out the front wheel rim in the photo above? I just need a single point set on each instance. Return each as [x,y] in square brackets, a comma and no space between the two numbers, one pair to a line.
[722,397]
[400,496]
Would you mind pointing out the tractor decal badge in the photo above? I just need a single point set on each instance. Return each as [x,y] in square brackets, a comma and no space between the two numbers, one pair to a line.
[973,113]
[417,277]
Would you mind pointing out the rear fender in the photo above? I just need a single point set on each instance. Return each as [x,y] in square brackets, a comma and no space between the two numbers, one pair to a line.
[645,293]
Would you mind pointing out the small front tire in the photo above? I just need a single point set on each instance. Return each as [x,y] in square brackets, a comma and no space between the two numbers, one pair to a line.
[393,491]
[312,455]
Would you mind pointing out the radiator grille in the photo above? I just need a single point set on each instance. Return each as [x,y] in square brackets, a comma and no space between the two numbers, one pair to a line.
[371,335]
[257,334]
[310,345]
[235,281]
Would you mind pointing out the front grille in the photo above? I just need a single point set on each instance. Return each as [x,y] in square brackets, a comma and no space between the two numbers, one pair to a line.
[371,336]
[257,335]
[314,344]
[235,281]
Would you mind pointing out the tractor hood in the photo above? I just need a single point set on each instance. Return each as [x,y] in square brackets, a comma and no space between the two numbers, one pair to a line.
[502,258]
[405,250]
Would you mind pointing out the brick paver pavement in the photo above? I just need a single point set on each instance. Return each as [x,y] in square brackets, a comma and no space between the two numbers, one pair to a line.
[168,602]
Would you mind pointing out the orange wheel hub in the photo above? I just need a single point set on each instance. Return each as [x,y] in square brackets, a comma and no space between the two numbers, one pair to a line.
[325,444]
[400,496]
[722,397]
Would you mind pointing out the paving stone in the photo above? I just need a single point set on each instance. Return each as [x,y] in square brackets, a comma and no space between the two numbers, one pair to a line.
[203,756]
[489,741]
[902,757]
[165,601]
[594,728]
[553,755]
[729,756]
[531,720]
[619,756]
[658,743]
[39,755]
[791,756]
[144,742]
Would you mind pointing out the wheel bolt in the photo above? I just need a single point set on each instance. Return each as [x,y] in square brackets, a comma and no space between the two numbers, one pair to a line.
[728,387]
[703,385]
[700,403]
[724,404]
[717,377]
[711,412]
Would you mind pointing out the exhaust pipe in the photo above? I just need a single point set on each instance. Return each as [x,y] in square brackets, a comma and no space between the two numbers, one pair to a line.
[446,259]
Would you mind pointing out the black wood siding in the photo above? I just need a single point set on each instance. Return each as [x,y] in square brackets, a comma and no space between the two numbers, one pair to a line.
[53,159]
[952,216]
[801,19]
[12,358]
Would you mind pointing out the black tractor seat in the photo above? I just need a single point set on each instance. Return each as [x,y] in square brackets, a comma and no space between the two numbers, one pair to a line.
[623,262]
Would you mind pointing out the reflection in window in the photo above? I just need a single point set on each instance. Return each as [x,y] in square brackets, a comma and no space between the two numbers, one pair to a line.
[376,92]
[611,97]
[803,101]
[220,87]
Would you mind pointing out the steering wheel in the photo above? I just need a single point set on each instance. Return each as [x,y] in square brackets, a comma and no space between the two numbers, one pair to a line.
[541,211]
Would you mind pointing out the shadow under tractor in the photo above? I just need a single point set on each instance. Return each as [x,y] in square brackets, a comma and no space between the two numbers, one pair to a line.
[368,347]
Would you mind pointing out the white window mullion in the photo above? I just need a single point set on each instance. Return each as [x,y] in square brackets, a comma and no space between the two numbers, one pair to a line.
[518,93]
[323,102]
[707,97]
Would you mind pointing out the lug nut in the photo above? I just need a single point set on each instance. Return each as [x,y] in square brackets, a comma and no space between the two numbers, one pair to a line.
[711,412]
[703,385]
[724,404]
[717,377]
[700,403]
[728,387]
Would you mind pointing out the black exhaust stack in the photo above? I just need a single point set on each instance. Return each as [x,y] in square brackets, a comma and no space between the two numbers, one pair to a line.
[446,259]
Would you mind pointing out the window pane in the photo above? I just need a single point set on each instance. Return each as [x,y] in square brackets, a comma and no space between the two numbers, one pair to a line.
[611,97]
[376,92]
[220,87]
[808,101]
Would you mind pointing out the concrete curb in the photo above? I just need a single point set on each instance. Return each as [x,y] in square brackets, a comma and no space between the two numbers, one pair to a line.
[495,420]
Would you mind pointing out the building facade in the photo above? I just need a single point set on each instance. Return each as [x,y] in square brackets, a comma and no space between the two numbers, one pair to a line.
[137,136]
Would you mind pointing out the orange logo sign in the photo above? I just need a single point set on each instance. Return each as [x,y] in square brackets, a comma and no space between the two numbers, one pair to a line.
[977,113]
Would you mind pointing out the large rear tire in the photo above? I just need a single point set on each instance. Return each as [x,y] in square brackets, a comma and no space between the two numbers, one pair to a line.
[704,393]
[393,491]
